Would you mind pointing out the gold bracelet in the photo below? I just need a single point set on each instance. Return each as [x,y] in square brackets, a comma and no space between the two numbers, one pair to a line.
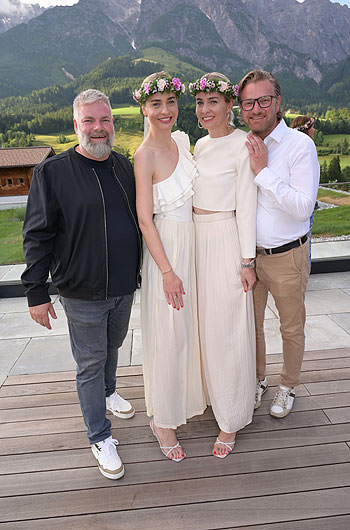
[166,272]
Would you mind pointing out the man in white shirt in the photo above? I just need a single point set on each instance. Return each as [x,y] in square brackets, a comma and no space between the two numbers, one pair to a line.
[286,170]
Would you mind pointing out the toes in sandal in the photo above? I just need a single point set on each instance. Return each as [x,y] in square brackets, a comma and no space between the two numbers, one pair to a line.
[229,446]
[165,449]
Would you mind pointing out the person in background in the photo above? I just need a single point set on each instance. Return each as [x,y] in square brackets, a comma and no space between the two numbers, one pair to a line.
[287,175]
[165,172]
[81,226]
[225,222]
[305,124]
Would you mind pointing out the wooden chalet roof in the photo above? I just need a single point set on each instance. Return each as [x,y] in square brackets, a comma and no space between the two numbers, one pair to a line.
[24,156]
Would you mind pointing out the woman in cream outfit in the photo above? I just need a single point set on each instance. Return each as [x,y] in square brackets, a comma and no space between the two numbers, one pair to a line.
[164,172]
[225,223]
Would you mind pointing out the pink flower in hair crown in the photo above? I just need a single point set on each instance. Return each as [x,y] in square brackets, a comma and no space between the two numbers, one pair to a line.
[167,84]
[177,83]
[203,84]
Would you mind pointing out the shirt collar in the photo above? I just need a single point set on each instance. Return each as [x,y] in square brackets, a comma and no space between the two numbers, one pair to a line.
[277,133]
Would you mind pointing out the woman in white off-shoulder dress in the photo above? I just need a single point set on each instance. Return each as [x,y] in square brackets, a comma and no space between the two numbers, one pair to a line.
[164,172]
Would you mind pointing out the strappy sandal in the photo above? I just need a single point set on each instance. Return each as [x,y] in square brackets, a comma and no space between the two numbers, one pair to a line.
[229,446]
[167,450]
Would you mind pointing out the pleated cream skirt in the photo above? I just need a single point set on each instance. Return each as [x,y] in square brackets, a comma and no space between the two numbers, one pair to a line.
[170,342]
[226,321]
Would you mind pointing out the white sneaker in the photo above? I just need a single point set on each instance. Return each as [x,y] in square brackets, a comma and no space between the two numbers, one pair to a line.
[282,402]
[108,459]
[261,387]
[119,406]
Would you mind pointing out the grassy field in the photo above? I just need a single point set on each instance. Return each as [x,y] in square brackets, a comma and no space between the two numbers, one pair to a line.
[344,159]
[330,222]
[334,139]
[128,127]
[170,61]
[11,222]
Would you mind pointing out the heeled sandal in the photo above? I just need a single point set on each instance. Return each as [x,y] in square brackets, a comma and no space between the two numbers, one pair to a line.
[228,445]
[165,449]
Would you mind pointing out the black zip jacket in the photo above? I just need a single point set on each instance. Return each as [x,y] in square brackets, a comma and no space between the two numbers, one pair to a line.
[64,228]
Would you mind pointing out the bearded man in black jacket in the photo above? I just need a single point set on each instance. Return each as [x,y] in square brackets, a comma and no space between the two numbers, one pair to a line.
[81,227]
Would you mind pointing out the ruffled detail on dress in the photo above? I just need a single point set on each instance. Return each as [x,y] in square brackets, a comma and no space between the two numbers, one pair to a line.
[174,191]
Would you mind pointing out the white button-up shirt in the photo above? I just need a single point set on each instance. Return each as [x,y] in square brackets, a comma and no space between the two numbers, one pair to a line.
[287,187]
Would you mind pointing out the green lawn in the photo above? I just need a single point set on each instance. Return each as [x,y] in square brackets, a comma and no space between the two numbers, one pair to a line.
[11,222]
[344,160]
[332,222]
[333,139]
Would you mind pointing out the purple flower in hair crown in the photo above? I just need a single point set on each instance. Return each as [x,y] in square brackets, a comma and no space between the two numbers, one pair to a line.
[213,85]
[163,84]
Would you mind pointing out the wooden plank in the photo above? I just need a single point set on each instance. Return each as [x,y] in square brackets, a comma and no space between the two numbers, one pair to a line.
[320,402]
[253,441]
[74,424]
[309,366]
[58,457]
[329,387]
[63,398]
[51,377]
[341,522]
[52,388]
[48,377]
[315,376]
[165,470]
[182,492]
[340,415]
[207,516]
[334,353]
[51,412]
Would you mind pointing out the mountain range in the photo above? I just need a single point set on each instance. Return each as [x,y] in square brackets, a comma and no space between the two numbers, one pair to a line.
[14,12]
[306,41]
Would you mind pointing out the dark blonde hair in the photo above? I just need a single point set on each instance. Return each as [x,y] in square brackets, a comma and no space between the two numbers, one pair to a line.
[157,75]
[222,77]
[261,75]
[299,120]
[218,77]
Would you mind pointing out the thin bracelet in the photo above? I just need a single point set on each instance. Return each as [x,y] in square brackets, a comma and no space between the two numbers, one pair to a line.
[166,272]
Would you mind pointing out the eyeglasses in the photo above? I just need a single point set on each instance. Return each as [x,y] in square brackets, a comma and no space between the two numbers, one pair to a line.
[264,102]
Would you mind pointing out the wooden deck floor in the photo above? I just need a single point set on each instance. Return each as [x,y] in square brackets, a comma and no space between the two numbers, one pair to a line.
[289,474]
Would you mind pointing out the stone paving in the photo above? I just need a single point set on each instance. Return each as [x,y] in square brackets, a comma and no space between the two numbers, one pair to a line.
[26,347]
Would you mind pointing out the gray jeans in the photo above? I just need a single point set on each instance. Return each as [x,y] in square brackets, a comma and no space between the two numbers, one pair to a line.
[97,329]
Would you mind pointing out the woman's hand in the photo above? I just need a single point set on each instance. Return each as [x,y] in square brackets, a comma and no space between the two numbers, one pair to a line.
[248,278]
[173,289]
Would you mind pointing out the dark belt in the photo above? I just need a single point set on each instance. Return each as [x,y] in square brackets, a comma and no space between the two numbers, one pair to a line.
[288,246]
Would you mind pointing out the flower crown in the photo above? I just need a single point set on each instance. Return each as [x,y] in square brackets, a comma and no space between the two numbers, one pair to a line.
[213,85]
[306,125]
[167,84]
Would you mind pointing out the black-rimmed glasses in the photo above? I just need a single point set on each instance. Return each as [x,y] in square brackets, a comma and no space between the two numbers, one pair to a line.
[264,102]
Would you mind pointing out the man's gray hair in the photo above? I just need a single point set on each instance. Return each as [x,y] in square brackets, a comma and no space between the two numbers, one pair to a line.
[89,96]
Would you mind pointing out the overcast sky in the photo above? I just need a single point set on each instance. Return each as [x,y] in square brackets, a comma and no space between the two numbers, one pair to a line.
[48,3]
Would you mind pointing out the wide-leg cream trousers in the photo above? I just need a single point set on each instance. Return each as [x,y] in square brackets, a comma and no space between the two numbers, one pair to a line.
[226,321]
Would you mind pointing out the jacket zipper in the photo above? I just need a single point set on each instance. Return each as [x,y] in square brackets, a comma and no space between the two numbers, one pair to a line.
[130,210]
[105,226]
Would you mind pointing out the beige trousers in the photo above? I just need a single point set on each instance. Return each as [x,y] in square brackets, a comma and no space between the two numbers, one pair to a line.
[285,276]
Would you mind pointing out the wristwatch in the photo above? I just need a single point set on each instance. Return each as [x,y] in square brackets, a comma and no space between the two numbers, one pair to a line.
[249,265]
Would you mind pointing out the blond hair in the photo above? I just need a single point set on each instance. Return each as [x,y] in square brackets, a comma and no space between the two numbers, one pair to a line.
[261,75]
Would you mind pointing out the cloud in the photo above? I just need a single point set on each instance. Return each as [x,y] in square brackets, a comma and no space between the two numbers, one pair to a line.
[13,7]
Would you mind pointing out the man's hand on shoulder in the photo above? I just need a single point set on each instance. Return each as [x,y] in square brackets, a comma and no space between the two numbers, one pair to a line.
[258,153]
[40,313]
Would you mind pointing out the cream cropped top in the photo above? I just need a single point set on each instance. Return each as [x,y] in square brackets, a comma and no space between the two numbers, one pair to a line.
[225,183]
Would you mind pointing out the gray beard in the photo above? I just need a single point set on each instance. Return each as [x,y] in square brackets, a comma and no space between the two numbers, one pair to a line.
[100,150]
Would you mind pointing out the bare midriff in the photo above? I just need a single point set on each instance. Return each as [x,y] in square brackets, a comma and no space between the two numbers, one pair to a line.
[199,211]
